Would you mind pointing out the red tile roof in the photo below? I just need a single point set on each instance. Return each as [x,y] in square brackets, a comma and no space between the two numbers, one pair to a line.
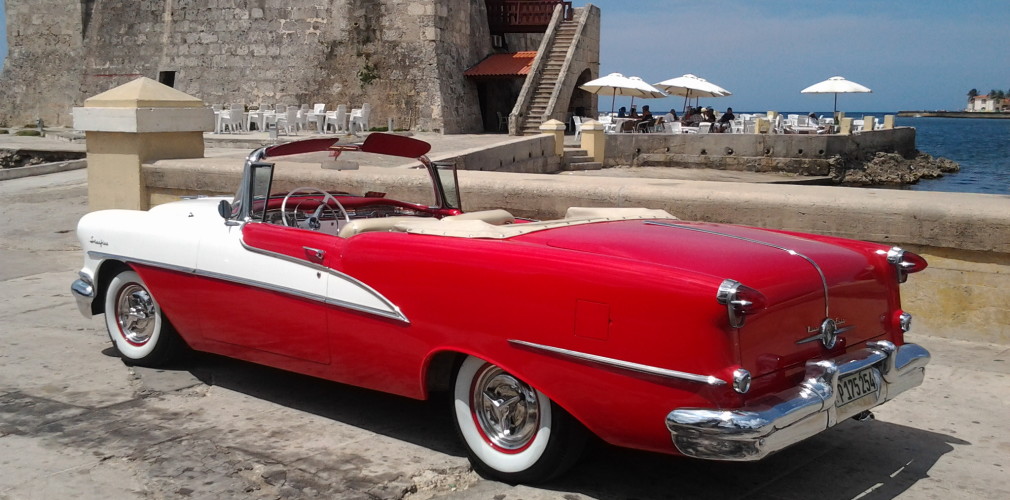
[514,64]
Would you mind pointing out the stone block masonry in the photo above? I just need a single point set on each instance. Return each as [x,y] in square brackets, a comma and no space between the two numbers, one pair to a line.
[404,57]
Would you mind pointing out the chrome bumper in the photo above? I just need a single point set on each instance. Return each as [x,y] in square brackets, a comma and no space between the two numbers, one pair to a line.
[84,291]
[779,420]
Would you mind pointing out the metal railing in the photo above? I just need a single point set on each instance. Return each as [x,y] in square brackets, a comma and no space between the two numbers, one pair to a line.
[523,16]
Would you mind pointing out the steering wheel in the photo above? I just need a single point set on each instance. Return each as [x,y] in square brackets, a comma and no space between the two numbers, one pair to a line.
[314,218]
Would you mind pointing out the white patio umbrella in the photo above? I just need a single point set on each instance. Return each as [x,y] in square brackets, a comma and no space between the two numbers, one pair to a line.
[835,85]
[692,86]
[616,84]
[648,91]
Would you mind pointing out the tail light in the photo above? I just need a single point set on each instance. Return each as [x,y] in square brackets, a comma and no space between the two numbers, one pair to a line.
[905,263]
[740,301]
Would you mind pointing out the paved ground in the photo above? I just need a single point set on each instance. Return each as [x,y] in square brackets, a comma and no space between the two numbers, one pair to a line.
[75,422]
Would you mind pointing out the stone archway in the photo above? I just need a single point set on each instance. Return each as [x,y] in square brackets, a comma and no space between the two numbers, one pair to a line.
[582,103]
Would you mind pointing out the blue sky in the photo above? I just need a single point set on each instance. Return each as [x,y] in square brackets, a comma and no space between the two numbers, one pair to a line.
[914,54]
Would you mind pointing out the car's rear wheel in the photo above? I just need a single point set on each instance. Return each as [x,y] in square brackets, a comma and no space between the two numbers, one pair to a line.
[138,329]
[512,431]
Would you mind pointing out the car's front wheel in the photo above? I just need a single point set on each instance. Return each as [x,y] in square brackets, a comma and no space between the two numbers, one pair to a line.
[512,431]
[136,325]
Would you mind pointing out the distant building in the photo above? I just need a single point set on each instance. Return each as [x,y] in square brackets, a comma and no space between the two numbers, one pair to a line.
[983,103]
[416,62]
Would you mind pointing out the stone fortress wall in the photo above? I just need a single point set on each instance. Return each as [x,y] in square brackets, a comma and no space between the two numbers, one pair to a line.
[405,57]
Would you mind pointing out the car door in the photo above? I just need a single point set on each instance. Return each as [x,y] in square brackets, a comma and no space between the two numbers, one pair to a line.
[267,289]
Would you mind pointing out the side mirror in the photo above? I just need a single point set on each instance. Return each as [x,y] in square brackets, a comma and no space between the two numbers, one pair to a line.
[224,208]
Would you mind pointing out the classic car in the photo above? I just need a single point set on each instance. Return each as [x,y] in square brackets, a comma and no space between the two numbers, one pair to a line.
[706,340]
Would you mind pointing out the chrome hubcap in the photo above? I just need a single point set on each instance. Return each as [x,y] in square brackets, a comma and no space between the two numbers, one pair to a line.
[135,314]
[506,409]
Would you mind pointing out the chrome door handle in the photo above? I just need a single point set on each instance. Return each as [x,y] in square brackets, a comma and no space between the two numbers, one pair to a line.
[315,252]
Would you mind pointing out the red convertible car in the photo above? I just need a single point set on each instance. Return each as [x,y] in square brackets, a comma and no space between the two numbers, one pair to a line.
[711,341]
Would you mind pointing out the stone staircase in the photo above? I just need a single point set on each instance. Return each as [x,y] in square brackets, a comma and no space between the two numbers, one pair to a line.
[549,78]
[578,159]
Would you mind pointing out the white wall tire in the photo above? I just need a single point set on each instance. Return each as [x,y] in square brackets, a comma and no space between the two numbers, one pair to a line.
[138,329]
[512,431]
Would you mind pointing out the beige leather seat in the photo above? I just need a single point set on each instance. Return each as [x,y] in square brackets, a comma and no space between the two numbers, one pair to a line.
[377,224]
[495,217]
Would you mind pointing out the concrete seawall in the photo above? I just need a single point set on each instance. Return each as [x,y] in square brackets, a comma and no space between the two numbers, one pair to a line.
[802,154]
[966,237]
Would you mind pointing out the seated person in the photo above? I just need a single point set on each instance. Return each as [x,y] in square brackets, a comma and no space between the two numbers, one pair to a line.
[709,114]
[671,116]
[814,121]
[725,121]
[622,112]
[692,117]
[646,121]
[633,113]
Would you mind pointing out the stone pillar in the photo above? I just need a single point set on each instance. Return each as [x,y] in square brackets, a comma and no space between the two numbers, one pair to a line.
[868,122]
[845,127]
[136,123]
[557,129]
[594,140]
[888,121]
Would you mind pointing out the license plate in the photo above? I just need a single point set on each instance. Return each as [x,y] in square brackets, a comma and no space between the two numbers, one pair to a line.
[854,386]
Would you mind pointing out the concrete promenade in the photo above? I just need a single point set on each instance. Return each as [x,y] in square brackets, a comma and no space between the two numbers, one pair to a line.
[75,422]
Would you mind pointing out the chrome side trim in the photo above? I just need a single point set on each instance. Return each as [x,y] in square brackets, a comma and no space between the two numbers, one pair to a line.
[779,420]
[627,365]
[396,314]
[824,279]
[145,262]
[287,258]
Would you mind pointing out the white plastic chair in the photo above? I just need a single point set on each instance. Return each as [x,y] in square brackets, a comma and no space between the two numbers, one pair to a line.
[359,120]
[337,119]
[609,127]
[674,127]
[288,122]
[778,126]
[315,116]
[577,121]
[704,127]
[233,119]
[736,126]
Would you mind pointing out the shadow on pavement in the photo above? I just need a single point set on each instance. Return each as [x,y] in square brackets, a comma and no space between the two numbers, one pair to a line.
[855,459]
[424,423]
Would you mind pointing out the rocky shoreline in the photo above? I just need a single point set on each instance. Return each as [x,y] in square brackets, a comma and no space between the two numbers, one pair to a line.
[891,169]
[17,158]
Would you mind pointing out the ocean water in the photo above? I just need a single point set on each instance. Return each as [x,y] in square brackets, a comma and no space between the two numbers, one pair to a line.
[980,146]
